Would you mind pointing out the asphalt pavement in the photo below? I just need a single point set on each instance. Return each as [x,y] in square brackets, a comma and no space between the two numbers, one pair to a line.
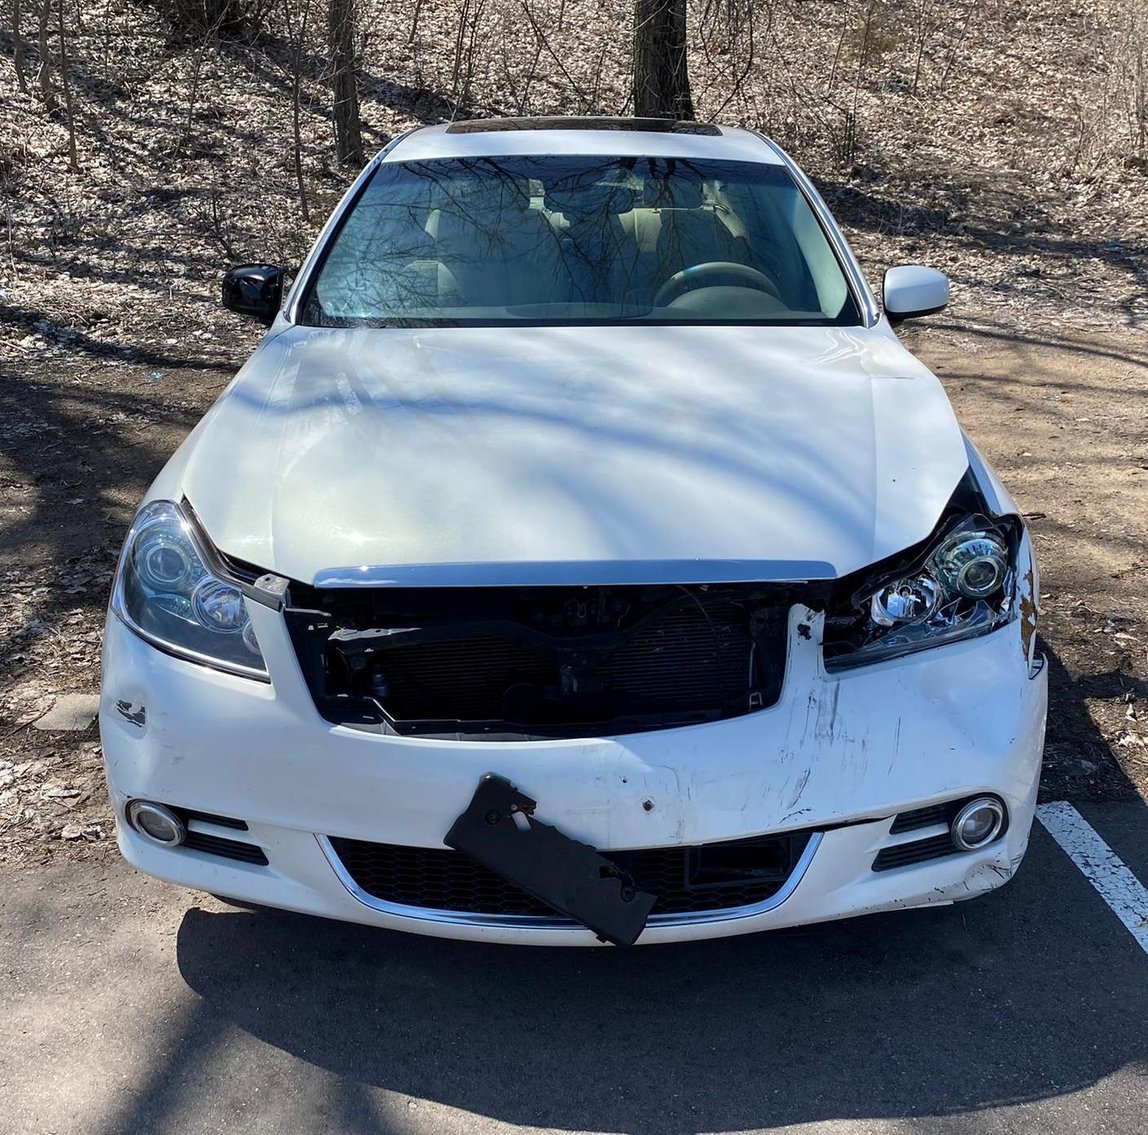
[127,1005]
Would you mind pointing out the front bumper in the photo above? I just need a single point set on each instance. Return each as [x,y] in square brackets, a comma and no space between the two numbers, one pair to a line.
[839,753]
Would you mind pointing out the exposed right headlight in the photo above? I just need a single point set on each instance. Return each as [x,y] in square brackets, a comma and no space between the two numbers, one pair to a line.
[961,586]
[167,594]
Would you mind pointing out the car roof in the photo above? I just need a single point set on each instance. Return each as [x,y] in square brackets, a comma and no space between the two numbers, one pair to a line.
[613,137]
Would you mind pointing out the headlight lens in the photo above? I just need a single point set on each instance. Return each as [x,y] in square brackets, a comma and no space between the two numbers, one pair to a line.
[165,592]
[960,587]
[905,601]
[973,564]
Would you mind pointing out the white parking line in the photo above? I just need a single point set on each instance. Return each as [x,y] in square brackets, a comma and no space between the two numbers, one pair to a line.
[1101,866]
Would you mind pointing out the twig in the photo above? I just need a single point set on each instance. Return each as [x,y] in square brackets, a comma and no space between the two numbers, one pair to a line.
[66,83]
[920,43]
[956,46]
[296,110]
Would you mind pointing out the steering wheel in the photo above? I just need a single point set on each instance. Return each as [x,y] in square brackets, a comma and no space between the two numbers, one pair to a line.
[682,281]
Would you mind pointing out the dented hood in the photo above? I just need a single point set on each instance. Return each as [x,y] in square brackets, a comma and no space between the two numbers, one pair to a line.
[563,454]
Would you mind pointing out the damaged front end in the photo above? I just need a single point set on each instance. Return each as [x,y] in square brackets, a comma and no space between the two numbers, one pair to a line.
[973,575]
[518,662]
[521,662]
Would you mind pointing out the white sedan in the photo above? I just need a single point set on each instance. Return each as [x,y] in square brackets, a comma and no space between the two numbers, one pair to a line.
[579,558]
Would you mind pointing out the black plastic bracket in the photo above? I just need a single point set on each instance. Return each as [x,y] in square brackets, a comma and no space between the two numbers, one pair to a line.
[498,829]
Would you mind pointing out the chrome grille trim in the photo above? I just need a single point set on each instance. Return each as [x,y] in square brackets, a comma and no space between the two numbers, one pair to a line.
[558,922]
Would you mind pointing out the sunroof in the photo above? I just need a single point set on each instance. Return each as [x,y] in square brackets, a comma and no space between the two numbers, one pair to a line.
[649,125]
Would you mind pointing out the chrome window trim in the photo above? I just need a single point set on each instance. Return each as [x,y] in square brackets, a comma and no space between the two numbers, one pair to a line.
[576,573]
[859,286]
[558,922]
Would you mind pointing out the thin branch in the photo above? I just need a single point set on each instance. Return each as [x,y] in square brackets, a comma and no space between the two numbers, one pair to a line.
[66,83]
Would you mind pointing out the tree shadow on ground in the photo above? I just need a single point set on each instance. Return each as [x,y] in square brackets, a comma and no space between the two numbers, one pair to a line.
[74,441]
[918,1014]
[985,220]
[1078,761]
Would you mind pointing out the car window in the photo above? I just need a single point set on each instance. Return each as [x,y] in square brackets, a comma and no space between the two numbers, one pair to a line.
[561,239]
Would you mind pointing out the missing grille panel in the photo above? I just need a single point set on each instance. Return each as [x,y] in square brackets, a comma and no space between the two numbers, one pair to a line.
[540,661]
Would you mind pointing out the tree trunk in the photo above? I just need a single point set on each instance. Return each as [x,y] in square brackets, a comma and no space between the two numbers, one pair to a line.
[19,48]
[44,72]
[298,39]
[661,78]
[348,137]
[66,83]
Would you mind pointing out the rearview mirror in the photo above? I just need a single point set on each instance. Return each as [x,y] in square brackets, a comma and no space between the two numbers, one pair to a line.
[912,290]
[255,290]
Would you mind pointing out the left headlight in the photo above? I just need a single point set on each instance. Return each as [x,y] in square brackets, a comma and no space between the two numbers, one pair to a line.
[166,592]
[961,585]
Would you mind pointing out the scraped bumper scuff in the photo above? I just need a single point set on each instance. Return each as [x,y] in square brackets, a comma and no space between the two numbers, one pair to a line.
[837,756]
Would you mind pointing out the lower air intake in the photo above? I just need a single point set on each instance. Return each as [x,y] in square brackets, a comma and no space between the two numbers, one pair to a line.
[919,851]
[686,880]
[225,848]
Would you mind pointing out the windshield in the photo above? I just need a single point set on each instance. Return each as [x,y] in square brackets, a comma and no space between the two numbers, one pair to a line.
[559,240]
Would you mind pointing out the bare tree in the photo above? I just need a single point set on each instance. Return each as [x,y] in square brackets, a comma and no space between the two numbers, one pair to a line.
[661,77]
[298,39]
[470,15]
[922,14]
[206,42]
[227,18]
[19,47]
[66,83]
[44,72]
[348,134]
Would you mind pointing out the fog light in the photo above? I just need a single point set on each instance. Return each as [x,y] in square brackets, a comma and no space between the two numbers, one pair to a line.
[978,823]
[157,823]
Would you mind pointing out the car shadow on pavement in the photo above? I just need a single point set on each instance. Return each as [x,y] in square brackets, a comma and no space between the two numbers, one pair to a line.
[1031,992]
[1079,763]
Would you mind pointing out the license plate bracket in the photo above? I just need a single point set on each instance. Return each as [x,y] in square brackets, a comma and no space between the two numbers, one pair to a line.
[560,871]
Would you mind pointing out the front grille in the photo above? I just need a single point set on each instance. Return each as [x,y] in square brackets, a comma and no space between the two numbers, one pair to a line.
[709,877]
[459,680]
[540,661]
[688,664]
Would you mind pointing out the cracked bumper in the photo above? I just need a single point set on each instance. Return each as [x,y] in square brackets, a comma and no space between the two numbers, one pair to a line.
[840,753]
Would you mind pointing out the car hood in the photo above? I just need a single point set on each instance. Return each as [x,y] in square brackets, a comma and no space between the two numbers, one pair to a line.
[572,454]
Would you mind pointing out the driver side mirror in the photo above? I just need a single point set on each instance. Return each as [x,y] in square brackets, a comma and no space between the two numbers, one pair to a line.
[255,290]
[913,290]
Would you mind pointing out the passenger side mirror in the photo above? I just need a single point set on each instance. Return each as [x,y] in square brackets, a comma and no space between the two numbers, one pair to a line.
[913,290]
[255,290]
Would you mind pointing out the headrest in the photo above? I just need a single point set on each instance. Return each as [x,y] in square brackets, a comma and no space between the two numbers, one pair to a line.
[480,196]
[400,232]
[575,200]
[678,191]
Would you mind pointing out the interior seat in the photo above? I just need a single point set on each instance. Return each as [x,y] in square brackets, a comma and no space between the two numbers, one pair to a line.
[502,251]
[600,257]
[690,232]
[782,260]
[389,265]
